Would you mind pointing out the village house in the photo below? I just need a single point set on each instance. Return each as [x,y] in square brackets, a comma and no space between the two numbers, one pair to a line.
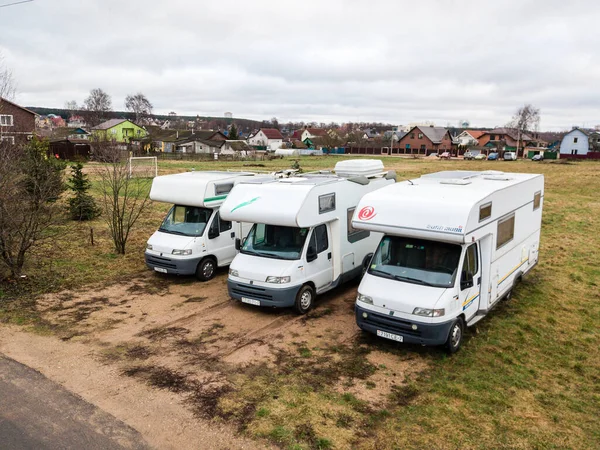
[575,142]
[469,138]
[268,138]
[119,130]
[506,139]
[17,124]
[421,140]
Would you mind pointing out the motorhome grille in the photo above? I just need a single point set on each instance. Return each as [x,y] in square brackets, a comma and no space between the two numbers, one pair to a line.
[251,292]
[387,322]
[161,262]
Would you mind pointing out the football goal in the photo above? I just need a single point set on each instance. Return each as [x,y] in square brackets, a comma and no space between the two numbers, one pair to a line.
[143,167]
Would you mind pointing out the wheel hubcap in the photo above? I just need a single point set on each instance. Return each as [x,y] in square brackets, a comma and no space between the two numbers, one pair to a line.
[456,334]
[306,300]
[208,269]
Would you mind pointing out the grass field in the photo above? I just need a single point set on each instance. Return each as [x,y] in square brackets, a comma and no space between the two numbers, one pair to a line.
[528,377]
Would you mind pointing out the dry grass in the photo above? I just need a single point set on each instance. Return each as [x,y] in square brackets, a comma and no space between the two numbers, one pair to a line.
[527,377]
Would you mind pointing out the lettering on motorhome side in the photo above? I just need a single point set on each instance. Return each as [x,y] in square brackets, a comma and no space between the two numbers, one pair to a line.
[446,229]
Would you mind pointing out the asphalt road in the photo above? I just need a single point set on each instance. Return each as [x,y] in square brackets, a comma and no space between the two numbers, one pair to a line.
[36,413]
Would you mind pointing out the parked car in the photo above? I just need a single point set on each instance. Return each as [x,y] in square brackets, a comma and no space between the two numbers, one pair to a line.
[469,155]
[510,156]
[492,157]
[480,156]
[445,155]
[538,157]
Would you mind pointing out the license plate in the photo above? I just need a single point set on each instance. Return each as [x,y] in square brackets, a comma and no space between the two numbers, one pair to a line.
[160,269]
[393,337]
[250,301]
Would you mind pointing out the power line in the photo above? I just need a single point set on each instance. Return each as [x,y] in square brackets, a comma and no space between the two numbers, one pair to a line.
[15,3]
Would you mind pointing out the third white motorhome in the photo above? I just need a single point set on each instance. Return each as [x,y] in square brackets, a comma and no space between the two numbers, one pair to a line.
[193,239]
[303,242]
[455,243]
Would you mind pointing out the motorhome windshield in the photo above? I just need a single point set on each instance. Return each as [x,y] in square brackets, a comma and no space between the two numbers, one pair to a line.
[186,220]
[273,241]
[416,261]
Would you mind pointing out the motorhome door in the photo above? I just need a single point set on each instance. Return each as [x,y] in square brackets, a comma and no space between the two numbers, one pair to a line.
[319,269]
[470,281]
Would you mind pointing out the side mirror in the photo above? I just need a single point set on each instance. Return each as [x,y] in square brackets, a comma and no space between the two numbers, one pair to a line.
[238,244]
[311,254]
[466,281]
[213,233]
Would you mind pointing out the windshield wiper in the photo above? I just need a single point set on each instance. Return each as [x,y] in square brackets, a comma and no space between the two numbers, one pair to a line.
[265,254]
[181,233]
[382,273]
[412,280]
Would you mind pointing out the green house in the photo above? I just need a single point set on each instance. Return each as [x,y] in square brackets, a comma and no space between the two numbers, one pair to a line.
[119,130]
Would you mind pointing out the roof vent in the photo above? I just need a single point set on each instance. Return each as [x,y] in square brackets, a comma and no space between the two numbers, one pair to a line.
[359,167]
[492,172]
[457,181]
[497,178]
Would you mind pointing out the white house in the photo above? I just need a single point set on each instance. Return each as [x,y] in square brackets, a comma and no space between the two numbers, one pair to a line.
[267,137]
[575,142]
[469,138]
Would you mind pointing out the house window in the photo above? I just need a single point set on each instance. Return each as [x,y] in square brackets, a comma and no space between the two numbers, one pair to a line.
[326,203]
[485,211]
[407,146]
[506,231]
[492,137]
[9,139]
[537,200]
[575,140]
[420,135]
[6,120]
[574,152]
[113,131]
[412,135]
[423,147]
[355,235]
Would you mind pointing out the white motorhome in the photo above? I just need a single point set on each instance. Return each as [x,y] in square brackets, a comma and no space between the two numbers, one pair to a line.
[455,243]
[303,242]
[193,239]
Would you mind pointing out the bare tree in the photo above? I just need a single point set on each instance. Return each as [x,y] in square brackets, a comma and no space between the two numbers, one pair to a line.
[331,140]
[124,198]
[7,82]
[96,105]
[526,118]
[72,107]
[27,174]
[139,105]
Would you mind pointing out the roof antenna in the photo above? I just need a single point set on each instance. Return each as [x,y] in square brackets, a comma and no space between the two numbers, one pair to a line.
[410,182]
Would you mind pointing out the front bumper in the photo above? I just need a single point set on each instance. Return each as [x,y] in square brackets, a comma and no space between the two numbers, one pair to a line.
[267,296]
[425,334]
[171,265]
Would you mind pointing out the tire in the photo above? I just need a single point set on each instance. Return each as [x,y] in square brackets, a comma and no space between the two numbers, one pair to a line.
[455,336]
[305,299]
[206,269]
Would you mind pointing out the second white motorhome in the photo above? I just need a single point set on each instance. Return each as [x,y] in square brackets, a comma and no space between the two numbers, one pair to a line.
[303,242]
[193,239]
[455,243]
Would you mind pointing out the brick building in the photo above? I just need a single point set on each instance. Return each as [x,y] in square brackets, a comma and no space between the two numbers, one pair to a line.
[425,140]
[17,124]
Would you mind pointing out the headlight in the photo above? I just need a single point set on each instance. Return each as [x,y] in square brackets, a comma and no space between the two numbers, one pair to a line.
[278,280]
[233,273]
[364,299]
[148,247]
[429,312]
[182,252]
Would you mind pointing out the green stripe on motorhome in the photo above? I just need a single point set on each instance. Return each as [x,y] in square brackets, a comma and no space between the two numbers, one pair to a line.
[214,199]
[241,205]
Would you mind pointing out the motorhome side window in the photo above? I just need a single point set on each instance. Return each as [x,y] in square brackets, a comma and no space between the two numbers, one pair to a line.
[322,241]
[485,211]
[326,203]
[223,188]
[506,231]
[537,200]
[224,225]
[355,235]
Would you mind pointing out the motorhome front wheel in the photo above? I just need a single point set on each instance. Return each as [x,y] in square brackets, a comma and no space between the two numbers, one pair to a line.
[304,299]
[206,269]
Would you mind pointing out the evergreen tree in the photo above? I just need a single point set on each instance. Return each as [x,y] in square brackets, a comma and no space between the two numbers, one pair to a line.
[82,206]
[233,132]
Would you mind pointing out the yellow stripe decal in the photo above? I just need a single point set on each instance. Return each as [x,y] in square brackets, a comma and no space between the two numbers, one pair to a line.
[512,271]
[470,299]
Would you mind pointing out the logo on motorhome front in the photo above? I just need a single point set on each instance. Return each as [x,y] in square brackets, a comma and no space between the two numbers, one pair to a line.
[241,205]
[367,213]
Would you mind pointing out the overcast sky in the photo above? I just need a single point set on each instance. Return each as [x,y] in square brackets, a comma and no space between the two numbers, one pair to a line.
[325,60]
